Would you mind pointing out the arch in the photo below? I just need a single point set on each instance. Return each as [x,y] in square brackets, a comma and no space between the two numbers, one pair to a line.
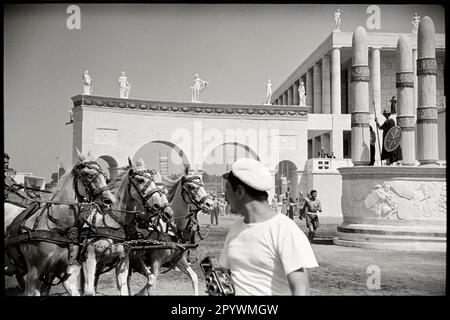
[159,166]
[109,165]
[173,146]
[239,144]
[288,169]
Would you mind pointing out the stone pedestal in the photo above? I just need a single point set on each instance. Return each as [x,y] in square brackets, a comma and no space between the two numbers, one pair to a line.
[398,208]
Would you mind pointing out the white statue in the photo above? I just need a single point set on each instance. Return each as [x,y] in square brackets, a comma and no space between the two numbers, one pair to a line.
[337,19]
[302,94]
[268,93]
[124,86]
[87,83]
[415,23]
[199,86]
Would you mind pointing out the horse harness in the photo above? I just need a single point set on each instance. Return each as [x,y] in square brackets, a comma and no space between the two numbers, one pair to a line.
[92,193]
[62,234]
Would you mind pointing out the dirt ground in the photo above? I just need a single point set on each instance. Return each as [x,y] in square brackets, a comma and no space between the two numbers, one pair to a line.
[342,271]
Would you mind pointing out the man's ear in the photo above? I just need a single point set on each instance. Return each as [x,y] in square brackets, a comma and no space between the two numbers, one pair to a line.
[240,191]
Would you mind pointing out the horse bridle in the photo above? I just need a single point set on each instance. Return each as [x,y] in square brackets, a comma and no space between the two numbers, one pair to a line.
[143,194]
[93,193]
[198,204]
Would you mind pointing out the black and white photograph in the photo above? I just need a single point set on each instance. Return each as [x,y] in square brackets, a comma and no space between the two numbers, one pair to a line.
[224,149]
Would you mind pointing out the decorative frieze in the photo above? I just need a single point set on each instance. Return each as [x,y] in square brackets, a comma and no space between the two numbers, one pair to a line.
[404,80]
[426,66]
[426,115]
[209,109]
[360,119]
[407,123]
[360,73]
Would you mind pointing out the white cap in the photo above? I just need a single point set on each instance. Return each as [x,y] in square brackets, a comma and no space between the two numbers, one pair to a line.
[253,173]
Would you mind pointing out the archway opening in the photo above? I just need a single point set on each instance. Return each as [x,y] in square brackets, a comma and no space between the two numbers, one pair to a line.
[219,161]
[108,165]
[286,180]
[164,157]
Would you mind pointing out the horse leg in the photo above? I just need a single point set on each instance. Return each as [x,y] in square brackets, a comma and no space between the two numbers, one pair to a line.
[156,263]
[122,270]
[186,268]
[89,268]
[73,283]
[144,270]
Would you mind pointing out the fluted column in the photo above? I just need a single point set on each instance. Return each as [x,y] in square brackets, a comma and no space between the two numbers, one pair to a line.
[336,80]
[326,85]
[360,113]
[317,103]
[289,93]
[405,100]
[309,88]
[427,130]
[295,98]
[414,62]
[375,82]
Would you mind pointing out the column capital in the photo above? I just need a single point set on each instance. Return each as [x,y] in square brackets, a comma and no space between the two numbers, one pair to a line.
[335,46]
[376,47]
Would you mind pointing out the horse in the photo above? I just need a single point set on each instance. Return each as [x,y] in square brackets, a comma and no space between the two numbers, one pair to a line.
[182,194]
[18,198]
[42,241]
[137,199]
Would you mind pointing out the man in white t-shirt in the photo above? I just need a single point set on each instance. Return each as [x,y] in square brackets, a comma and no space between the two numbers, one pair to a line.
[266,252]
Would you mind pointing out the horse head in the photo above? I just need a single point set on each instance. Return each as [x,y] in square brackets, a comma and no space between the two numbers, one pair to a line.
[194,193]
[143,188]
[90,182]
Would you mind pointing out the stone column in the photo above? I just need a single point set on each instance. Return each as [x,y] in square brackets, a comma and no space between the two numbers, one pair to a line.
[336,80]
[317,85]
[360,113]
[427,130]
[295,98]
[289,93]
[405,100]
[326,86]
[285,97]
[414,62]
[309,88]
[349,90]
[375,82]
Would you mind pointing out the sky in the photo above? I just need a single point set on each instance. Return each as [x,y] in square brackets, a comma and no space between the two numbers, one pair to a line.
[235,47]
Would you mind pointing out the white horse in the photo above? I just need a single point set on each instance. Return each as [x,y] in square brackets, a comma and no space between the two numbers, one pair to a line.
[183,193]
[51,229]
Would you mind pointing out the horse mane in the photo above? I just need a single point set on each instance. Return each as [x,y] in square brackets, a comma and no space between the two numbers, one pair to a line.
[171,186]
[115,184]
[62,180]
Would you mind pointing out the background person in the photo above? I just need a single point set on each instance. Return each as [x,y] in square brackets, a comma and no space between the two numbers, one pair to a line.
[312,206]
[266,252]
[215,211]
[395,155]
